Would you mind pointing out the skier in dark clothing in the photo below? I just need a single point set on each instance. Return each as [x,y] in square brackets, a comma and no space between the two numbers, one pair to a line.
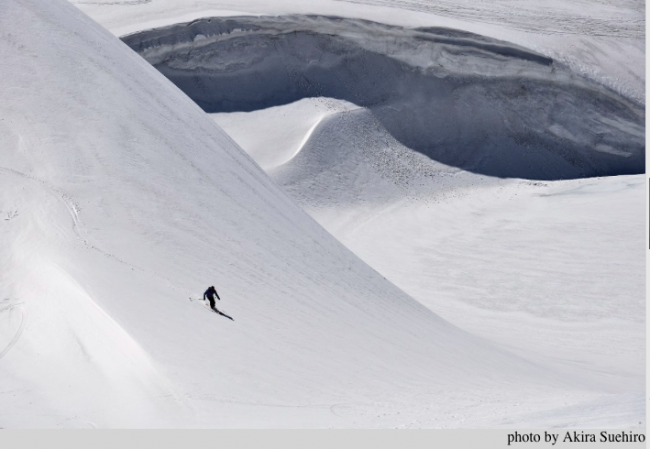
[210,293]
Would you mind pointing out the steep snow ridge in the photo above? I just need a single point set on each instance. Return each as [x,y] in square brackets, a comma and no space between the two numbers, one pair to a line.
[124,199]
[463,100]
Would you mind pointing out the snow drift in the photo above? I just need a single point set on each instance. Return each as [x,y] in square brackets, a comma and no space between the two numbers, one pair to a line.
[120,199]
[461,99]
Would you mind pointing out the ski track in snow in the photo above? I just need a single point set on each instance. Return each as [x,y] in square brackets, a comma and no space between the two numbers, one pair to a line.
[73,208]
[5,311]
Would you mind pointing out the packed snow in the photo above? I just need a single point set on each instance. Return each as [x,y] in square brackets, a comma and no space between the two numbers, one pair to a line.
[121,199]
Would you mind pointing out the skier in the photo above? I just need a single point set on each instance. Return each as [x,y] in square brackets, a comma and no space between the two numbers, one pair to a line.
[210,294]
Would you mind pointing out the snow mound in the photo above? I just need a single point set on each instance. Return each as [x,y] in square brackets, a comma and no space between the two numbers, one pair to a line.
[461,99]
[281,132]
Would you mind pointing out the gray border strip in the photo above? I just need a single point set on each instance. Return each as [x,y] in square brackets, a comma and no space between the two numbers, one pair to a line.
[281,439]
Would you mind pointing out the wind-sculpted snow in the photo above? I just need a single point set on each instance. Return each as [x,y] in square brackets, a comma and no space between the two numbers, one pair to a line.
[461,99]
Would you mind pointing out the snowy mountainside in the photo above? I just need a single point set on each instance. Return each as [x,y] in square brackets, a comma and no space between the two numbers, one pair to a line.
[558,258]
[121,199]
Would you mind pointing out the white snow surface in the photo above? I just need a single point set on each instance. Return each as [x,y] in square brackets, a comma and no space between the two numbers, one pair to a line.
[552,270]
[603,40]
[121,198]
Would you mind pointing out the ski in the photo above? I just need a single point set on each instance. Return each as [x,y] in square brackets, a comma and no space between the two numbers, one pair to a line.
[222,314]
[215,311]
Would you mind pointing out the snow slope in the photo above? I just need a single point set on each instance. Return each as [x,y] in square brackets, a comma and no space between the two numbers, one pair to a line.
[121,199]
[551,268]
